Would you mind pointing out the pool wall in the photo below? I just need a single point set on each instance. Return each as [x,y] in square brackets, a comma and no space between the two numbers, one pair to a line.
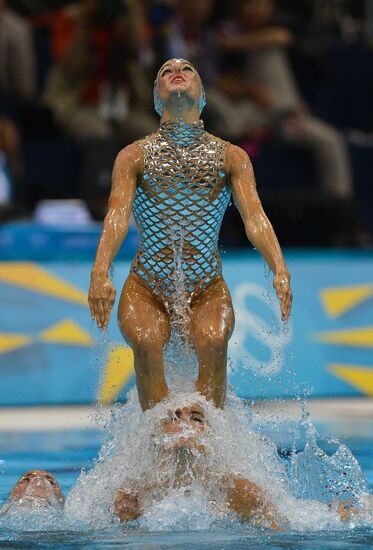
[51,354]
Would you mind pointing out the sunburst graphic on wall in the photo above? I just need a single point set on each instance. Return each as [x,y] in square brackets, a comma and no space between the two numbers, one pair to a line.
[67,332]
[30,276]
[338,301]
[33,278]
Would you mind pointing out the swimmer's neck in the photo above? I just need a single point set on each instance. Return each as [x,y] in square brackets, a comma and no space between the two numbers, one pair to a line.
[179,107]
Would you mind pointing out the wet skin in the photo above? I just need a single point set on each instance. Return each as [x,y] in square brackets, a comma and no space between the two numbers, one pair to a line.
[41,486]
[242,496]
[35,485]
[142,316]
[189,423]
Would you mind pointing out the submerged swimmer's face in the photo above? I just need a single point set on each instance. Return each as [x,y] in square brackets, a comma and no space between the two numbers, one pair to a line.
[37,485]
[184,425]
[179,76]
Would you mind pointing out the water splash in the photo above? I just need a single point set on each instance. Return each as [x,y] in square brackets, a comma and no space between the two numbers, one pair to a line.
[180,485]
[326,475]
[180,360]
[178,476]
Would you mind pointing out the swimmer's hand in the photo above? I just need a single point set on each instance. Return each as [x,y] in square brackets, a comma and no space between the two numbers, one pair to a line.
[281,284]
[101,298]
[249,501]
[126,506]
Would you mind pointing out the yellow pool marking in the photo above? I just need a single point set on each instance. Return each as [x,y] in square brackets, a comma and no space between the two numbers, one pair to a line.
[118,371]
[339,300]
[358,376]
[361,337]
[66,332]
[31,276]
[10,342]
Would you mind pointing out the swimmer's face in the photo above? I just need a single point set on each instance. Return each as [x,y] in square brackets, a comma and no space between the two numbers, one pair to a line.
[37,484]
[187,422]
[178,75]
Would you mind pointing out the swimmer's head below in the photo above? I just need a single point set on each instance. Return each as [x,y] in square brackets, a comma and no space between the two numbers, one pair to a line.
[178,79]
[184,426]
[36,485]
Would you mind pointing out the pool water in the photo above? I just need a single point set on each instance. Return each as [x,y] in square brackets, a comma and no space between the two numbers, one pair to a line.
[65,453]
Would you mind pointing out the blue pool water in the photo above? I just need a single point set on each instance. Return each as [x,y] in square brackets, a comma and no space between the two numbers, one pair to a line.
[66,453]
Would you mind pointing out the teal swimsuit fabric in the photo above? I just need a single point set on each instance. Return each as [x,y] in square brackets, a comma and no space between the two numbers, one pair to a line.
[179,207]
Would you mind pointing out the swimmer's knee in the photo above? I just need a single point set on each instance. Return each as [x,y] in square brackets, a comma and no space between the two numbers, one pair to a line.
[143,339]
[124,328]
[212,338]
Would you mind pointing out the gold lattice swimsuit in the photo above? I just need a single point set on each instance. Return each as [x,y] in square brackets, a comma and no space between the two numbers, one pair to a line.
[179,206]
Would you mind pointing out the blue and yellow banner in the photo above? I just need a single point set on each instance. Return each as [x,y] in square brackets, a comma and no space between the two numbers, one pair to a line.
[51,353]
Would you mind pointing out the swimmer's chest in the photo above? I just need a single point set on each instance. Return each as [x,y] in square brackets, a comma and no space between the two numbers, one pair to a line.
[184,173]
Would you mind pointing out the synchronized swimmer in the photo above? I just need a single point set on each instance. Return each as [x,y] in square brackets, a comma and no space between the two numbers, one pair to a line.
[178,182]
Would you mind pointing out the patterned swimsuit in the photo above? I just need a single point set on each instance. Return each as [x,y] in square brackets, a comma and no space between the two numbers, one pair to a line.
[179,206]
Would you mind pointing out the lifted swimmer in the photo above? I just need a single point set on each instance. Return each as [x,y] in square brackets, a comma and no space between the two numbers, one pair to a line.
[178,182]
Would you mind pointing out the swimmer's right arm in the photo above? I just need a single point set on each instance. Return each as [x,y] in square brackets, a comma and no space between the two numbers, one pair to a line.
[127,169]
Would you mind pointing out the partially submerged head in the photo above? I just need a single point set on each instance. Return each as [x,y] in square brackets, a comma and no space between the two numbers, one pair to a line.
[184,427]
[36,485]
[178,86]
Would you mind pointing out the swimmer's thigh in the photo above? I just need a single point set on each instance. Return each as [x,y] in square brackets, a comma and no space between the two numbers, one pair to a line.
[212,316]
[141,316]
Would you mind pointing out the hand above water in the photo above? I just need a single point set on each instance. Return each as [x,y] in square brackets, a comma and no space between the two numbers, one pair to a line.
[281,284]
[101,298]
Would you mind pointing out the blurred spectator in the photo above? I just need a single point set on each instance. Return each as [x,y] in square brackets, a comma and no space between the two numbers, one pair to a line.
[11,166]
[17,62]
[96,84]
[189,35]
[258,90]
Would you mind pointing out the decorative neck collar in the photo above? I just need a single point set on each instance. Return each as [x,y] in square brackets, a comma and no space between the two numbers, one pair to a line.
[181,134]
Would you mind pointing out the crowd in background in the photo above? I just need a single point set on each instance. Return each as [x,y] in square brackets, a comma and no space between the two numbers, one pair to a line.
[291,82]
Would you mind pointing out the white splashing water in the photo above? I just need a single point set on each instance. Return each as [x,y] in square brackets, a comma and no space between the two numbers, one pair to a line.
[181,486]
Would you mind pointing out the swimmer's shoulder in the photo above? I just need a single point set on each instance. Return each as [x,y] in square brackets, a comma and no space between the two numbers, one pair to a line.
[234,155]
[236,160]
[130,159]
[135,152]
[137,149]
[231,151]
[144,142]
[218,141]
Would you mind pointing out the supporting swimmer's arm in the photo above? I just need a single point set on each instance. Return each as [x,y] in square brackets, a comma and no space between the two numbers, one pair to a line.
[126,505]
[248,501]
[127,168]
[258,228]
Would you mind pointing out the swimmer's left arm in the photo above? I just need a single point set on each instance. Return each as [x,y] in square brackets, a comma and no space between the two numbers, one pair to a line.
[248,501]
[126,505]
[258,228]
